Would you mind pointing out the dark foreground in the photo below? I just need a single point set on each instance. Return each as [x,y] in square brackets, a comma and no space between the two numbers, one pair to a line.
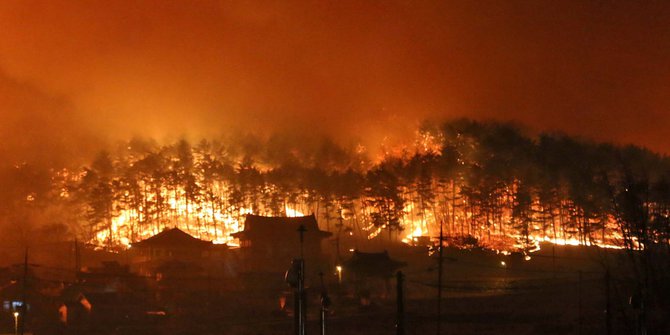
[559,291]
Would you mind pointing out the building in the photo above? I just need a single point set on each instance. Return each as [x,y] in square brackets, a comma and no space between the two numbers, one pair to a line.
[372,265]
[174,245]
[370,273]
[268,244]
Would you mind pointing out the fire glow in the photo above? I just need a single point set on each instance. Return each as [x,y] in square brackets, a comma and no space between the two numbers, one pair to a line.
[404,197]
[206,222]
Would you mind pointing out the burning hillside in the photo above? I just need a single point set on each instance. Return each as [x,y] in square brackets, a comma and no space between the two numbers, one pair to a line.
[482,182]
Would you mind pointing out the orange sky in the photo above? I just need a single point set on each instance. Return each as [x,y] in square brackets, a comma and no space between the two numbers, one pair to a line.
[73,73]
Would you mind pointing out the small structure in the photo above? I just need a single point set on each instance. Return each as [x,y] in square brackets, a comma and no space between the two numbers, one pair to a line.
[372,265]
[370,272]
[172,245]
[268,244]
[181,264]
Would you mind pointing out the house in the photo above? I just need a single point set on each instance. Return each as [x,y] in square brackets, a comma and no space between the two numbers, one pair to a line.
[171,245]
[179,263]
[268,244]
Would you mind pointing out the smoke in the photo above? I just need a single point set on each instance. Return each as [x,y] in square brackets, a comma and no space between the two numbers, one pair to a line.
[75,74]
[37,127]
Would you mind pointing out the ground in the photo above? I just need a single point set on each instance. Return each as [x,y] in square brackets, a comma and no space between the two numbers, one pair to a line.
[558,291]
[541,295]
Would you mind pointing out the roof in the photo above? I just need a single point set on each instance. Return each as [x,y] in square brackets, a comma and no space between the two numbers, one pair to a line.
[373,264]
[175,238]
[256,226]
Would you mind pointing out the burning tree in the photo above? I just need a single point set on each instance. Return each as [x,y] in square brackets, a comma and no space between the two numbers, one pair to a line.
[486,180]
[384,202]
[98,186]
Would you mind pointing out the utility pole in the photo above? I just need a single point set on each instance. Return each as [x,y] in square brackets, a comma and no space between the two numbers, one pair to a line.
[400,323]
[608,305]
[295,277]
[325,303]
[24,294]
[301,313]
[439,281]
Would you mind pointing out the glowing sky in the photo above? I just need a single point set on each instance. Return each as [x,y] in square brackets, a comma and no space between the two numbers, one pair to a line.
[78,72]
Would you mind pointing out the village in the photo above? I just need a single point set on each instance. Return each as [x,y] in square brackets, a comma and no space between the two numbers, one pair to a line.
[174,283]
[352,167]
[170,277]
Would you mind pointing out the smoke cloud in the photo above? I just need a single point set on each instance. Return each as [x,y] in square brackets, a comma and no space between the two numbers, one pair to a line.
[75,74]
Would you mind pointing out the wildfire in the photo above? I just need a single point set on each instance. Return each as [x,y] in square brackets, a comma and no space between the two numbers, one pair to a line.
[200,220]
[290,212]
[429,143]
[411,238]
[216,223]
[210,203]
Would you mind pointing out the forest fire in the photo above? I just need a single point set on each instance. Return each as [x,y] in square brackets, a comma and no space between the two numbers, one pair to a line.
[407,195]
[343,167]
[201,220]
[123,229]
[488,185]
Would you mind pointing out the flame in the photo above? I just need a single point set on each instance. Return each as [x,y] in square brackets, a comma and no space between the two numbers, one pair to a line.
[205,221]
[214,216]
[195,219]
[290,212]
[373,231]
[200,220]
[410,239]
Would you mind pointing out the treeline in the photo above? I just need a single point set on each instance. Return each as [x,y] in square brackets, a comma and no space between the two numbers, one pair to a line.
[487,181]
[484,183]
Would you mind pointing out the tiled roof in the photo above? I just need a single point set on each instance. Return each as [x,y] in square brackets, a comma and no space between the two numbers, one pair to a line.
[174,237]
[256,226]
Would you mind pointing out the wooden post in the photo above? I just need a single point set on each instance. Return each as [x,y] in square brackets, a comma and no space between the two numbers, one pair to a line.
[325,303]
[301,312]
[608,306]
[24,295]
[400,323]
